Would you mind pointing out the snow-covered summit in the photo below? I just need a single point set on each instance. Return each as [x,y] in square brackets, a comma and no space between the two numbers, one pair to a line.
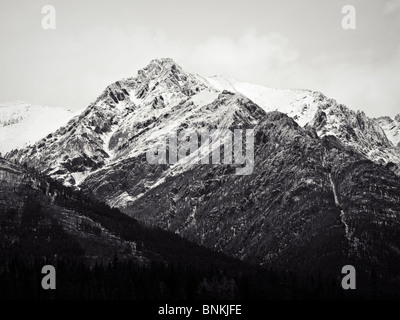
[131,114]
[22,123]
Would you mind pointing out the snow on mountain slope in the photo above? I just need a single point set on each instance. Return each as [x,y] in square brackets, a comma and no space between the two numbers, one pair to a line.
[356,130]
[391,128]
[134,113]
[296,103]
[22,124]
[127,118]
[313,110]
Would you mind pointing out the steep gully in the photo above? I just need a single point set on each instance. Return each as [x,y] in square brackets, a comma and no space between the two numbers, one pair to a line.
[337,203]
[342,215]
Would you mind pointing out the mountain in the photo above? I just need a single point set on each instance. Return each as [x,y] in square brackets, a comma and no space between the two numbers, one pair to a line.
[374,138]
[22,123]
[123,120]
[39,216]
[322,192]
[100,253]
[307,197]
[391,128]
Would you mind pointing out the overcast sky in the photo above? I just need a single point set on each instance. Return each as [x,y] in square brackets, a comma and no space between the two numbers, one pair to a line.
[276,43]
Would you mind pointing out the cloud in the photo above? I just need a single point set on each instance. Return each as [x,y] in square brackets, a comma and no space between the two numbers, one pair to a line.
[361,84]
[251,56]
[76,66]
[86,61]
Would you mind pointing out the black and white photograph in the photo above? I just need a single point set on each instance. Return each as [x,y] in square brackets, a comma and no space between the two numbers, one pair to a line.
[194,156]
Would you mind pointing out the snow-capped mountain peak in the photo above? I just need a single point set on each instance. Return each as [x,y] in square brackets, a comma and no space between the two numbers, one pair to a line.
[131,113]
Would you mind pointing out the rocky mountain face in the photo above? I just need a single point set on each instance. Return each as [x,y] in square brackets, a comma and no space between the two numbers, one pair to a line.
[323,191]
[391,128]
[377,139]
[40,218]
[307,197]
[23,194]
[119,124]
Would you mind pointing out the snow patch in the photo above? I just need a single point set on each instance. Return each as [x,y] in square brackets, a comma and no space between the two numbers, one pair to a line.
[22,124]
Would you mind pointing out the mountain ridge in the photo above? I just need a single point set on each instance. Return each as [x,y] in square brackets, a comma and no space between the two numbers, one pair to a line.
[163,84]
[323,190]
